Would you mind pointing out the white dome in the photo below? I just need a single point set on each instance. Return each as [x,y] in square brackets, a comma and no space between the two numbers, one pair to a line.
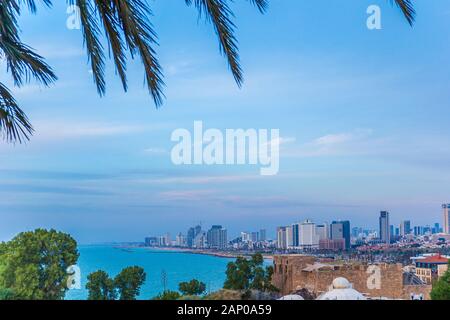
[341,289]
[292,297]
[341,283]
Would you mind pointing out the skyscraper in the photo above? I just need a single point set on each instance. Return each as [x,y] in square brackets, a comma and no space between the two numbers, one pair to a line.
[405,228]
[446,213]
[282,237]
[323,231]
[262,235]
[341,230]
[308,238]
[296,235]
[217,237]
[192,234]
[385,235]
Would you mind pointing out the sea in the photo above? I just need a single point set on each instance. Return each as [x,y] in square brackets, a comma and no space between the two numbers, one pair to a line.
[164,269]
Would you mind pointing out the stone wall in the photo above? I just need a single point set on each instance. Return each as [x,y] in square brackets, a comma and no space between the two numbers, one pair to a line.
[289,276]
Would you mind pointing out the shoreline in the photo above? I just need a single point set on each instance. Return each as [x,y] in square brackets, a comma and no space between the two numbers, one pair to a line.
[219,254]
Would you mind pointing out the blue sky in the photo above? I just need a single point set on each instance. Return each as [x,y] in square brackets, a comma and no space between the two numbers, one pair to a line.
[363,114]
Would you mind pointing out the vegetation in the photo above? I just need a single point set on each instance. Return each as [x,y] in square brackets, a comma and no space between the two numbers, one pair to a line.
[249,274]
[128,31]
[34,265]
[192,288]
[100,286]
[168,295]
[441,288]
[125,286]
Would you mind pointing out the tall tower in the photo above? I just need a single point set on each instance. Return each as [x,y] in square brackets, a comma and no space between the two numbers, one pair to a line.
[385,235]
[446,213]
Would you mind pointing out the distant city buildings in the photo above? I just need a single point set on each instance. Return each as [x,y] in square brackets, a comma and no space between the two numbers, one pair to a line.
[446,220]
[217,237]
[340,230]
[385,232]
[405,228]
[309,236]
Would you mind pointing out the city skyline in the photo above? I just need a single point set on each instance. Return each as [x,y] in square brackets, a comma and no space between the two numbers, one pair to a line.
[300,236]
[100,168]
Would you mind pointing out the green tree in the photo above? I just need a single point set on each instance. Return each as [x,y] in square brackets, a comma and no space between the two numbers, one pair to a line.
[100,286]
[441,288]
[128,31]
[128,282]
[168,295]
[192,288]
[246,274]
[7,294]
[34,264]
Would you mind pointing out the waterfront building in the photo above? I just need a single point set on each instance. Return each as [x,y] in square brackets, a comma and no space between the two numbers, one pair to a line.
[341,230]
[217,237]
[385,235]
[192,234]
[151,241]
[180,240]
[282,238]
[446,216]
[295,235]
[200,240]
[308,238]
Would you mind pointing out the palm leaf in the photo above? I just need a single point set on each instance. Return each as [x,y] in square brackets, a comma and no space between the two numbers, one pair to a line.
[407,8]
[220,15]
[14,124]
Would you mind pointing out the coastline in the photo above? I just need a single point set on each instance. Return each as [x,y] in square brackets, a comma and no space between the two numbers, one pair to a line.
[219,254]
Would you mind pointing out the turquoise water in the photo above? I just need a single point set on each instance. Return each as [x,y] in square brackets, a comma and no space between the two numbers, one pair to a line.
[177,265]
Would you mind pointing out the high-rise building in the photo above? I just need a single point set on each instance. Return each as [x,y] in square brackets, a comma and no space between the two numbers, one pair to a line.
[308,238]
[180,240]
[255,237]
[282,238]
[385,234]
[262,235]
[296,235]
[323,231]
[217,237]
[246,237]
[446,214]
[192,234]
[405,228]
[341,230]
[289,237]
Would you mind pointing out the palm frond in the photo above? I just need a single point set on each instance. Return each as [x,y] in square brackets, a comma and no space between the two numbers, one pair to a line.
[140,38]
[14,124]
[116,44]
[91,38]
[407,8]
[220,15]
[262,5]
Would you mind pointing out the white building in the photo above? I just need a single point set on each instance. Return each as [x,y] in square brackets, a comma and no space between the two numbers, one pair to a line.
[323,231]
[308,237]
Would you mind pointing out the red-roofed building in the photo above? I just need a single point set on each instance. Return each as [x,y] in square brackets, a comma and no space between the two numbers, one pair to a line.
[431,267]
